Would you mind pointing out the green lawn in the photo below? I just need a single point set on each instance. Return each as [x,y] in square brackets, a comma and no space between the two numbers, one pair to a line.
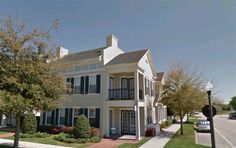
[187,140]
[50,140]
[3,132]
[128,145]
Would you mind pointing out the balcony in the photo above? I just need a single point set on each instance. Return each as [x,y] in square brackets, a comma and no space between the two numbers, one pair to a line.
[121,94]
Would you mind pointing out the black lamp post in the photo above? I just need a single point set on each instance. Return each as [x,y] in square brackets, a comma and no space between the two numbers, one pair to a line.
[208,89]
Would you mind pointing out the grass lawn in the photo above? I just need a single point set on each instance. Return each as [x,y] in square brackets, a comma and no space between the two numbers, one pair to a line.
[187,140]
[50,140]
[3,132]
[128,145]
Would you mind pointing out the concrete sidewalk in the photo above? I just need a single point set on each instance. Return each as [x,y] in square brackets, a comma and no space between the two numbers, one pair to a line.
[161,140]
[23,144]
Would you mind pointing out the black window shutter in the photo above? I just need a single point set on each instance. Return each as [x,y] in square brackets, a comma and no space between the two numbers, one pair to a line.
[70,116]
[44,118]
[86,84]
[72,85]
[82,85]
[86,112]
[57,116]
[53,117]
[97,124]
[68,80]
[66,116]
[81,111]
[98,83]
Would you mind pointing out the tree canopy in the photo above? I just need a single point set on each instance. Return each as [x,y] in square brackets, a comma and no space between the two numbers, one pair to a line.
[29,79]
[183,91]
[232,103]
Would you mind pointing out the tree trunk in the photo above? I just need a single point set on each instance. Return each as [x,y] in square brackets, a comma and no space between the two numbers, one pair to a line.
[17,131]
[181,123]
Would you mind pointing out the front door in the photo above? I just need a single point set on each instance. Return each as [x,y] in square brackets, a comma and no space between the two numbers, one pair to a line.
[127,122]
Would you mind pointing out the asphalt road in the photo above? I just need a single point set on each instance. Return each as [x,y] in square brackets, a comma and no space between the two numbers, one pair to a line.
[225,133]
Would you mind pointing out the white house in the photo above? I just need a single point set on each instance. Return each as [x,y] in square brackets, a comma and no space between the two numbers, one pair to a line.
[114,89]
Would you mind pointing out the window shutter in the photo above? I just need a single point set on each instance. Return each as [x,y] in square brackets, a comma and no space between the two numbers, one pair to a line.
[82,85]
[44,118]
[98,83]
[81,111]
[86,84]
[70,116]
[72,85]
[66,116]
[86,112]
[57,116]
[97,124]
[53,117]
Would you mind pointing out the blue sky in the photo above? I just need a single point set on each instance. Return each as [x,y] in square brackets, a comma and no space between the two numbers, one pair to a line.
[199,32]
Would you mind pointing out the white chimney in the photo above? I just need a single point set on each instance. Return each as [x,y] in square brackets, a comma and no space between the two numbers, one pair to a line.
[111,41]
[61,52]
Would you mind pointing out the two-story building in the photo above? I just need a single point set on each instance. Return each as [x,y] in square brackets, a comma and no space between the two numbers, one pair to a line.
[114,89]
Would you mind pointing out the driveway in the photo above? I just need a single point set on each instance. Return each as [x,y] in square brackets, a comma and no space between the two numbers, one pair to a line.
[225,133]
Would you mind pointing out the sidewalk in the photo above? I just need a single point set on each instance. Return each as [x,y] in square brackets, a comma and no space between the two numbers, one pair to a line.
[161,140]
[28,144]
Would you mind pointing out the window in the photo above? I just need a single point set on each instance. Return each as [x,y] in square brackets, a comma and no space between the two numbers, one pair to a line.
[92,66]
[92,84]
[49,116]
[77,86]
[77,68]
[92,117]
[62,116]
[85,67]
[70,83]
[92,112]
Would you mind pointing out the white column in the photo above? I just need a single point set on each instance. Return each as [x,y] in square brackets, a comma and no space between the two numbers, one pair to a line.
[136,89]
[137,122]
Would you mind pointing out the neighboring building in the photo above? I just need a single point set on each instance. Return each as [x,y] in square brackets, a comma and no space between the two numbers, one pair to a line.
[161,109]
[114,89]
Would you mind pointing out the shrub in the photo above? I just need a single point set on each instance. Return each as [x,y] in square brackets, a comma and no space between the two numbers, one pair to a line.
[95,139]
[68,130]
[41,135]
[95,132]
[26,135]
[46,128]
[29,124]
[150,132]
[82,128]
[61,137]
[55,130]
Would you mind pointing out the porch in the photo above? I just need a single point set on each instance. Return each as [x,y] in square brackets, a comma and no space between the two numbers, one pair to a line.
[126,86]
[123,122]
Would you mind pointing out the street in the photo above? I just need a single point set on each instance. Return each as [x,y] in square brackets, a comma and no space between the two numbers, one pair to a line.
[225,133]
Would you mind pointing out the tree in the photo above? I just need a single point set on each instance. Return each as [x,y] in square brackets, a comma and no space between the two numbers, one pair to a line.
[183,91]
[232,103]
[29,79]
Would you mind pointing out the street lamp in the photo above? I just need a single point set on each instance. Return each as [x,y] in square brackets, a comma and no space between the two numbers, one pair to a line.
[209,87]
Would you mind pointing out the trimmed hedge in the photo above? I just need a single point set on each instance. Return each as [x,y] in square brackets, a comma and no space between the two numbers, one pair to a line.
[54,129]
[82,128]
[29,124]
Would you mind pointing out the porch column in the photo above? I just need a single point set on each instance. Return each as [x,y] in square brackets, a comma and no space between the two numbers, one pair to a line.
[137,122]
[136,89]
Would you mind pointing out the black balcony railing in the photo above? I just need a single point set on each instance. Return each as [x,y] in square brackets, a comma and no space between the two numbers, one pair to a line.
[121,94]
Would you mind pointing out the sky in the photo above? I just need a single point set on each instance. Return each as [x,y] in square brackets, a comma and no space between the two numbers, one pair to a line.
[201,33]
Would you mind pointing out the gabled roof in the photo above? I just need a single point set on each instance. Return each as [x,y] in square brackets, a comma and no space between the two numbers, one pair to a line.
[93,53]
[128,57]
[160,76]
